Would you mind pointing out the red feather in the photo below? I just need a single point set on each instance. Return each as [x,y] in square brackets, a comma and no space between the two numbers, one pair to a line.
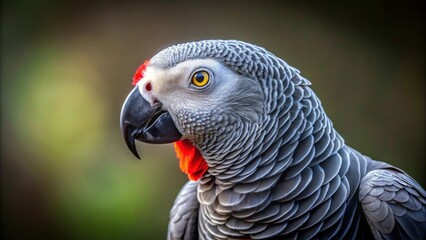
[139,73]
[191,162]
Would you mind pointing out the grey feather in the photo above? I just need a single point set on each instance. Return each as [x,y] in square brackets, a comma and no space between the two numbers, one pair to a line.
[393,211]
[184,214]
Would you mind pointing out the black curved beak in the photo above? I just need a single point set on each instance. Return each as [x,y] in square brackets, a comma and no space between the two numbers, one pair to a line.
[140,121]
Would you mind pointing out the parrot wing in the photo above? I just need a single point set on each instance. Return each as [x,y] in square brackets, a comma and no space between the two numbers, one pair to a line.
[184,214]
[394,204]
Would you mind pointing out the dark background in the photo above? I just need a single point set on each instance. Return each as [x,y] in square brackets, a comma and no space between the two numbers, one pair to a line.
[66,68]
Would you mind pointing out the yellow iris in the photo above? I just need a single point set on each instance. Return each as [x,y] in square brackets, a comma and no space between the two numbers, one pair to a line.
[200,79]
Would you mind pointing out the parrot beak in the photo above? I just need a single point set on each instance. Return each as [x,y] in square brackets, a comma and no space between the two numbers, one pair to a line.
[140,121]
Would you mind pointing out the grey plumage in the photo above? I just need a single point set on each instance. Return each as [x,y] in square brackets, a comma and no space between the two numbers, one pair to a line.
[184,214]
[277,167]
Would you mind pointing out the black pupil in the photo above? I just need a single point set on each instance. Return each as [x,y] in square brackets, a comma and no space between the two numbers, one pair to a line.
[199,77]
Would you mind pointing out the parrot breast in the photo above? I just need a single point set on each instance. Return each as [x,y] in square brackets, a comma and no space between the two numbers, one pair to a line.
[191,162]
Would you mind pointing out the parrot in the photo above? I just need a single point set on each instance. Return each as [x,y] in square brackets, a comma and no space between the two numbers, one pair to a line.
[262,157]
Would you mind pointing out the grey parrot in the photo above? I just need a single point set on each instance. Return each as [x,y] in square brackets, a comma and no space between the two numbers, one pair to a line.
[263,157]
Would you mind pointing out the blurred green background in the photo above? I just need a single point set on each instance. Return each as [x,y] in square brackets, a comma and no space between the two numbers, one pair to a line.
[66,68]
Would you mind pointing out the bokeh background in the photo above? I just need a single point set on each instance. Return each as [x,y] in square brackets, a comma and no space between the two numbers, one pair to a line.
[66,68]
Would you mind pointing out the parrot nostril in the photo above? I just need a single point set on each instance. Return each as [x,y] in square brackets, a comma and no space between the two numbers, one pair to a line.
[148,86]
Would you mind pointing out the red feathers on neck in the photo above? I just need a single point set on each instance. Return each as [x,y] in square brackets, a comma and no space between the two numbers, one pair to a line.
[139,73]
[190,160]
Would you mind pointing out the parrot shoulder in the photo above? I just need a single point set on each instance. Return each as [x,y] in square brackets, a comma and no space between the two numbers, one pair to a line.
[183,222]
[394,204]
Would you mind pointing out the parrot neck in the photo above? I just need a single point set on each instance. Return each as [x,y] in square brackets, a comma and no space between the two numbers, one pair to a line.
[191,162]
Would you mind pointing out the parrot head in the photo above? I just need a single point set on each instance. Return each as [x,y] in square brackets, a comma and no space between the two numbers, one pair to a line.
[205,97]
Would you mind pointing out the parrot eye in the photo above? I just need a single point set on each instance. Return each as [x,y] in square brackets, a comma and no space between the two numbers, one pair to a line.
[200,78]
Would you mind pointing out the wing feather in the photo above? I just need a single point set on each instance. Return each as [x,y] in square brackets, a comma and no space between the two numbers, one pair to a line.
[184,214]
[394,204]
